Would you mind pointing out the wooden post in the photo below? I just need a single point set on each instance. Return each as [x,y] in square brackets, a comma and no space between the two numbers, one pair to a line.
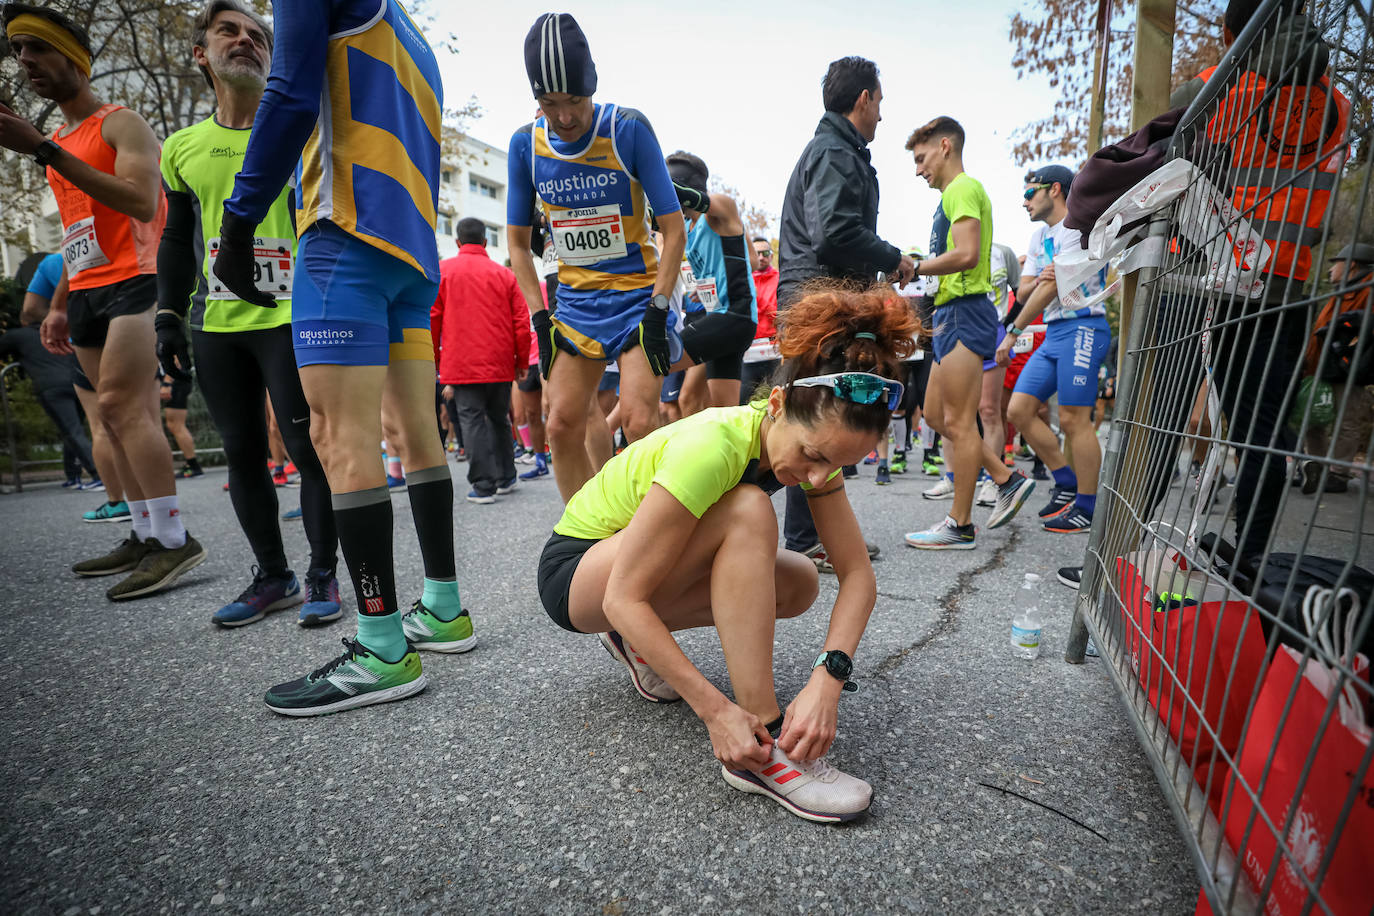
[1097,113]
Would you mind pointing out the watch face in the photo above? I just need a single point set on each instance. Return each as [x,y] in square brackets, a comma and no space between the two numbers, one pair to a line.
[838,664]
[660,301]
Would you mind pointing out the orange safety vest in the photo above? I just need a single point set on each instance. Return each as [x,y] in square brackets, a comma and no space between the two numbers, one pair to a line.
[100,245]
[1287,149]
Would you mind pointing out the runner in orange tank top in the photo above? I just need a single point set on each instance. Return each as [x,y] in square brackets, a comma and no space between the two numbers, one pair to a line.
[102,165]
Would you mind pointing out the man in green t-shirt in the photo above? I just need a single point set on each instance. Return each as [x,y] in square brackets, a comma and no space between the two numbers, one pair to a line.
[965,334]
[242,350]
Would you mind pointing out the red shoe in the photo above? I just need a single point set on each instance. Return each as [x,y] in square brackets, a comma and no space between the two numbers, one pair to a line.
[291,468]
[279,478]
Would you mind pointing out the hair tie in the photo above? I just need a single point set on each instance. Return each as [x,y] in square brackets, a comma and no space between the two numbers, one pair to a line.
[866,335]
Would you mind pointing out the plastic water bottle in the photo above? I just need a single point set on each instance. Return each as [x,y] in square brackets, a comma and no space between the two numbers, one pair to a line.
[1026,625]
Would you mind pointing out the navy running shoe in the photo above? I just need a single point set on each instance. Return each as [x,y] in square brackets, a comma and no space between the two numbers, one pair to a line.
[1060,500]
[1073,521]
[264,595]
[322,603]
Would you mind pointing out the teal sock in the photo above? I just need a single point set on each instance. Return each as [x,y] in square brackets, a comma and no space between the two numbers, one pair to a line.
[442,599]
[381,634]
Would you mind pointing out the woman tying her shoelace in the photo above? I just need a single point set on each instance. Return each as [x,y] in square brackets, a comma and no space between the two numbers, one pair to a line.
[676,532]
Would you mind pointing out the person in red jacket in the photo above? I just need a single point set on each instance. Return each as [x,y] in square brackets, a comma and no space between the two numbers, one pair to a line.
[481,333]
[762,357]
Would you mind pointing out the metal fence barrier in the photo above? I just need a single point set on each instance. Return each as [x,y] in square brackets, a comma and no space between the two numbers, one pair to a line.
[1227,581]
[37,446]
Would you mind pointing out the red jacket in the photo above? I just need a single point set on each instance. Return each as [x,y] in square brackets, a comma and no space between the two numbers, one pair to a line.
[480,322]
[766,289]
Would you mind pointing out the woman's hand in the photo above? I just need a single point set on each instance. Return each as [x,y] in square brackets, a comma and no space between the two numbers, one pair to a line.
[738,738]
[808,729]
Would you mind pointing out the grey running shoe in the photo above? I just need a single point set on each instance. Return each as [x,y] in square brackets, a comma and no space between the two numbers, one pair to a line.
[1011,496]
[646,681]
[159,568]
[124,557]
[815,791]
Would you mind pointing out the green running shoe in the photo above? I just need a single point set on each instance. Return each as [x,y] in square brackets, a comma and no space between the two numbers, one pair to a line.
[898,465]
[124,557]
[159,568]
[355,678]
[931,469]
[110,512]
[428,633]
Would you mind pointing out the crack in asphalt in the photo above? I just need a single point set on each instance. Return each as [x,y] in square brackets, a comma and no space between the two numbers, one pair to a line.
[951,600]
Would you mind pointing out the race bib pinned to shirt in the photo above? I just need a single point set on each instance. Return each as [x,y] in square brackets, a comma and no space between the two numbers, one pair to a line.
[80,248]
[589,235]
[706,295]
[550,262]
[273,263]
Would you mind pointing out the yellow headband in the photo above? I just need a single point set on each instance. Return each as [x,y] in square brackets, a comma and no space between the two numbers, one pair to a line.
[63,42]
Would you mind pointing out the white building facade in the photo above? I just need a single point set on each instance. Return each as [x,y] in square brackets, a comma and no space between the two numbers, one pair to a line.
[473,184]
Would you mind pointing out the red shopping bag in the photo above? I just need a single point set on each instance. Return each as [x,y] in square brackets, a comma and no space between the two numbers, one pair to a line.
[1183,658]
[1345,887]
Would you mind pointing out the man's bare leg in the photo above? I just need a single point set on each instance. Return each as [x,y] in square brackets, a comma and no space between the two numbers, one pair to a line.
[959,390]
[639,391]
[571,388]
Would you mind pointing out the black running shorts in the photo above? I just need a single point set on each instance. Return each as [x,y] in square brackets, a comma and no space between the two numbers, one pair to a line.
[89,311]
[531,381]
[557,564]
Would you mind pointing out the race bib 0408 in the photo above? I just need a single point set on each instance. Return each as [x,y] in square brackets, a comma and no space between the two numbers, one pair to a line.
[80,248]
[588,236]
[273,262]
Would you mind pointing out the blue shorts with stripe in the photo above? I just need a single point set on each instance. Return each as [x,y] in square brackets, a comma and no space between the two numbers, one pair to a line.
[1067,362]
[604,326]
[353,304]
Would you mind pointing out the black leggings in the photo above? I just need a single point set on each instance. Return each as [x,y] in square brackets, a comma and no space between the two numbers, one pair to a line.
[233,370]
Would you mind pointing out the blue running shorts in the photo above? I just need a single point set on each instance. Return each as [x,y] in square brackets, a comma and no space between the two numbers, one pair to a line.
[355,305]
[970,320]
[1067,362]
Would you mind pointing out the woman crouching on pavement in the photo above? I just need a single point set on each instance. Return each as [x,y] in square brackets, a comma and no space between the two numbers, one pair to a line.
[678,532]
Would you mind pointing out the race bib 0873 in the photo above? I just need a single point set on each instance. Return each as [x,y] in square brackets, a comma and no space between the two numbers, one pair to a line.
[80,248]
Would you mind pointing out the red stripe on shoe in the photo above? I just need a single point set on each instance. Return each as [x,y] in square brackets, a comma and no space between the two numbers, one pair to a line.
[774,768]
[787,777]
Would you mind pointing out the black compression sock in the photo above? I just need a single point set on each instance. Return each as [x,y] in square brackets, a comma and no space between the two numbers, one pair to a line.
[775,727]
[363,518]
[431,504]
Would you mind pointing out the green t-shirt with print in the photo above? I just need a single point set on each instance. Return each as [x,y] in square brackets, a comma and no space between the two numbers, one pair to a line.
[203,160]
[697,459]
[963,198]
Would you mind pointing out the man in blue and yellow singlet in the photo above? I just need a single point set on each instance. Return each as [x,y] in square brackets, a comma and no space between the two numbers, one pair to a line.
[367,272]
[596,171]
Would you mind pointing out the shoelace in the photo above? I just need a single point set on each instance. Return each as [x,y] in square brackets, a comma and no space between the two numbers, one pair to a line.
[351,648]
[259,580]
[818,769]
[317,586]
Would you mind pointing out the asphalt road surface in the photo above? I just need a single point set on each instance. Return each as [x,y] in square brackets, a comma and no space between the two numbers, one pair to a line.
[143,774]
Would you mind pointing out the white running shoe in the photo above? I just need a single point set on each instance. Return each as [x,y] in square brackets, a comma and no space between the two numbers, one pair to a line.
[943,535]
[646,682]
[943,489]
[815,791]
[987,493]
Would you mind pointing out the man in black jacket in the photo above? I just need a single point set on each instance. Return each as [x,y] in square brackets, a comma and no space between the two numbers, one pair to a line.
[829,224]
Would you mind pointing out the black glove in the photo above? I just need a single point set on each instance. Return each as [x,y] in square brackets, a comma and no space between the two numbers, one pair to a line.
[172,350]
[653,337]
[234,265]
[543,336]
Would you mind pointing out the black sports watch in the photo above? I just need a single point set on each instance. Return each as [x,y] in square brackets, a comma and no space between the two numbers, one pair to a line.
[45,151]
[839,666]
[660,302]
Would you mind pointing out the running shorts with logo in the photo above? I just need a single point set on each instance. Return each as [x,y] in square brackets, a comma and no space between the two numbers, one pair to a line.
[367,179]
[970,320]
[1067,362]
[671,389]
[356,305]
[1019,360]
[596,193]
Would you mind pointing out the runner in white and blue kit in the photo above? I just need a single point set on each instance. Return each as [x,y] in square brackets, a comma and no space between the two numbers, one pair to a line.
[1075,344]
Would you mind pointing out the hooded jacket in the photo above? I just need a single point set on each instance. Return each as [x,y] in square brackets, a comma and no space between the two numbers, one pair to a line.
[830,213]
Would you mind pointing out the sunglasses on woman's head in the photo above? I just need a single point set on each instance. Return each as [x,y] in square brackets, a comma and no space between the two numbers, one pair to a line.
[857,387]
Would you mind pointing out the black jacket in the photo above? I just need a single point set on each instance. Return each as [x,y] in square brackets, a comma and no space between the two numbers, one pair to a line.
[830,213]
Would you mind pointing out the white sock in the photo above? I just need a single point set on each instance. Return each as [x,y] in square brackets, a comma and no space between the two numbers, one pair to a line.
[138,514]
[166,519]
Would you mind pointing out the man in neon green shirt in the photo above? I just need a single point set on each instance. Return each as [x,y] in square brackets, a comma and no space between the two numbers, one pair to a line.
[241,349]
[965,334]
